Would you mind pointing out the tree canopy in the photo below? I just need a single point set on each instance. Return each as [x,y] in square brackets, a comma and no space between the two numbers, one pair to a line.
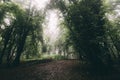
[89,28]
[25,23]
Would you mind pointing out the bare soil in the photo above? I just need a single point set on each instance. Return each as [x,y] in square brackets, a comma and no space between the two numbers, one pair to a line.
[56,70]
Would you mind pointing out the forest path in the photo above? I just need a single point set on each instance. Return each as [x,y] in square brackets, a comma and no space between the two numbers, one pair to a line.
[55,70]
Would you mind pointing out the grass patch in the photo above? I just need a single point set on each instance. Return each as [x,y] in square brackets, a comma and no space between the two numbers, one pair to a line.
[54,57]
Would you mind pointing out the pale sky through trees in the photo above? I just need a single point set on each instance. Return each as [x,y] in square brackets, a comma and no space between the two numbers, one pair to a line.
[51,29]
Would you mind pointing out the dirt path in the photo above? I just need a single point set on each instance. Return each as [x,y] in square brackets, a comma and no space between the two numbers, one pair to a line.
[56,70]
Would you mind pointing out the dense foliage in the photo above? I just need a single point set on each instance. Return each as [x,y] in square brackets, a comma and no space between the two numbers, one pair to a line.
[23,25]
[86,29]
[91,33]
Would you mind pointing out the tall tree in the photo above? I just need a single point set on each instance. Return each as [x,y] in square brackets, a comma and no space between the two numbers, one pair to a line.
[86,23]
[25,23]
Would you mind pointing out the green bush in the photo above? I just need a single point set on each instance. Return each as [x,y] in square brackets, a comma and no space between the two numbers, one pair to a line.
[53,56]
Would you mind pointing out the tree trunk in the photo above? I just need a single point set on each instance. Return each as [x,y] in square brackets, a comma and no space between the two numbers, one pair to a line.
[20,47]
[6,37]
[10,54]
[2,54]
[3,51]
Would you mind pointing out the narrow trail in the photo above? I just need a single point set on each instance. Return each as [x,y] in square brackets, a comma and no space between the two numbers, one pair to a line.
[55,70]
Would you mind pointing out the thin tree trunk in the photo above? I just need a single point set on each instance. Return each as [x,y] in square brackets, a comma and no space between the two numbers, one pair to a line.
[7,37]
[2,54]
[10,54]
[20,47]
